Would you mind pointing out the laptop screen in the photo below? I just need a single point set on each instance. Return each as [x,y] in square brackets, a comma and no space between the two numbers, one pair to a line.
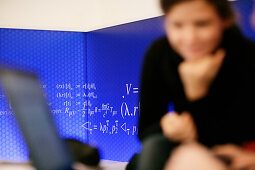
[47,150]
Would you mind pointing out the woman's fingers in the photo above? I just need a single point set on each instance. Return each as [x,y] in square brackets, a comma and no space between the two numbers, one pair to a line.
[178,127]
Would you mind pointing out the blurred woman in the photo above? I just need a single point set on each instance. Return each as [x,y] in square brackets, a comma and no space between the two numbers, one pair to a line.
[205,67]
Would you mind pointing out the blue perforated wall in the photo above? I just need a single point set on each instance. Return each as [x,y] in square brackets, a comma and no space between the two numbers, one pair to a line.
[58,59]
[88,78]
[114,62]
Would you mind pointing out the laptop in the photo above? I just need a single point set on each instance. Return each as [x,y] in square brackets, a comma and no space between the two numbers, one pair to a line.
[47,150]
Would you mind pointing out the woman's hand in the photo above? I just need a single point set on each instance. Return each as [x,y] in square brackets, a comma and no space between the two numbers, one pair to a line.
[240,158]
[197,75]
[179,127]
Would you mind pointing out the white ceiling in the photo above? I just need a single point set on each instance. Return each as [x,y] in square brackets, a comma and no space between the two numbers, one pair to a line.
[74,15]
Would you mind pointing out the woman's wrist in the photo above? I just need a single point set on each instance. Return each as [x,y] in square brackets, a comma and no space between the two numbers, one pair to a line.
[196,93]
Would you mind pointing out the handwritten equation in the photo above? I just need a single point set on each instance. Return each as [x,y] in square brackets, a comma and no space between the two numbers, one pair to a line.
[113,129]
[83,100]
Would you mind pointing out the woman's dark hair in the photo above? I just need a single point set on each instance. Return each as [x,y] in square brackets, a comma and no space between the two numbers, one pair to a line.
[223,7]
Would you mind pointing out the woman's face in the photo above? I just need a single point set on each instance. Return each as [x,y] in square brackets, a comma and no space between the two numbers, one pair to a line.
[194,28]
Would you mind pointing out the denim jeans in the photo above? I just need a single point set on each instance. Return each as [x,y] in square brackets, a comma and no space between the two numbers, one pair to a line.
[155,152]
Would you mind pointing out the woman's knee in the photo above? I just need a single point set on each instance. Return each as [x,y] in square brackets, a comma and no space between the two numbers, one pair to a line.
[193,156]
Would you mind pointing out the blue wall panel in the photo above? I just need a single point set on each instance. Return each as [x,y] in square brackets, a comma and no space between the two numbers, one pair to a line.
[114,62]
[243,9]
[58,59]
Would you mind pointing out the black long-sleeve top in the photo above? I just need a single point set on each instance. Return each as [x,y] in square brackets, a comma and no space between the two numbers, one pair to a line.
[225,115]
